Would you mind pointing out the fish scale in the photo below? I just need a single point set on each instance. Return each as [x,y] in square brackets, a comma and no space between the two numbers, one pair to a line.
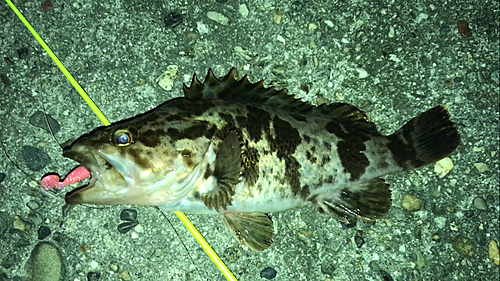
[241,150]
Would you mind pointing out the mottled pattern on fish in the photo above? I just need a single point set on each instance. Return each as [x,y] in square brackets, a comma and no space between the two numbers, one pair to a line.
[242,150]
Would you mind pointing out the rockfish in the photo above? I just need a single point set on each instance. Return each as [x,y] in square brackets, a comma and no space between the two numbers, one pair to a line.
[241,150]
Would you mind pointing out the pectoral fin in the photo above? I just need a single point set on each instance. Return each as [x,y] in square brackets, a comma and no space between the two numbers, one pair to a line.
[254,230]
[368,201]
[227,173]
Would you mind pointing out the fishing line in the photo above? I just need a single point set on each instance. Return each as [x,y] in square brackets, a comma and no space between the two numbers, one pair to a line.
[203,243]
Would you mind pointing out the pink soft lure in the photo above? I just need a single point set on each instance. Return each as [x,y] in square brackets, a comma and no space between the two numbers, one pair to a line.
[50,182]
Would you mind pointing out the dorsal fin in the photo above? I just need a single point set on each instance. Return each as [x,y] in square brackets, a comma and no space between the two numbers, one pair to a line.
[244,91]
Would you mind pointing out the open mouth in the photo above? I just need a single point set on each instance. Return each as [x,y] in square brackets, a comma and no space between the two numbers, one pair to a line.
[95,166]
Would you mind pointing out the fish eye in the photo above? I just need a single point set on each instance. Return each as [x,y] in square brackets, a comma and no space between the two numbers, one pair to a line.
[123,138]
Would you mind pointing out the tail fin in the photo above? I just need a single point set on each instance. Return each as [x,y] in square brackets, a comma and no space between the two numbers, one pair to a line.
[425,139]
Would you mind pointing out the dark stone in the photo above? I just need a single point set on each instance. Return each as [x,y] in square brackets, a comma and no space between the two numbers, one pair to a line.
[480,237]
[268,273]
[173,20]
[45,121]
[5,80]
[417,231]
[385,276]
[93,276]
[35,158]
[127,226]
[128,215]
[359,241]
[327,268]
[22,53]
[2,177]
[43,232]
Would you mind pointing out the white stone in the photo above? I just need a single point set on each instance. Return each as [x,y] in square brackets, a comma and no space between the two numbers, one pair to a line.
[391,32]
[281,39]
[166,80]
[218,17]
[201,27]
[243,10]
[481,167]
[362,74]
[443,167]
[421,17]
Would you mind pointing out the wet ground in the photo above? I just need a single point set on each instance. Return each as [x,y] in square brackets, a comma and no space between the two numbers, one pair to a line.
[393,60]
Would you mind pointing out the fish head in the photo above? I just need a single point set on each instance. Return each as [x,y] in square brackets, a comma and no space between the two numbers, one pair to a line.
[137,163]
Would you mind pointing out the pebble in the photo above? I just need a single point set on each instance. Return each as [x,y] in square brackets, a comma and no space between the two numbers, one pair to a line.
[464,246]
[359,240]
[443,167]
[479,203]
[20,225]
[2,177]
[202,29]
[329,23]
[391,32]
[45,263]
[436,237]
[93,276]
[22,53]
[243,10]
[47,6]
[5,223]
[125,275]
[40,120]
[114,266]
[328,268]
[385,276]
[440,222]
[493,253]
[277,18]
[420,259]
[35,158]
[43,232]
[411,203]
[35,218]
[481,167]
[33,205]
[5,80]
[127,226]
[173,20]
[421,17]
[268,273]
[362,73]
[218,17]
[166,80]
[128,215]
[464,29]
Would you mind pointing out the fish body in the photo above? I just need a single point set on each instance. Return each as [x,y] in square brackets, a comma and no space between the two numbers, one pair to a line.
[241,150]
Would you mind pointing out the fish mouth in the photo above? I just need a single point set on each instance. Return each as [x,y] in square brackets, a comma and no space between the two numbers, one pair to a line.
[102,173]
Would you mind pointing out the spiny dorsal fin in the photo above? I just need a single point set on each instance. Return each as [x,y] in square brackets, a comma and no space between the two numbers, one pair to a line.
[244,91]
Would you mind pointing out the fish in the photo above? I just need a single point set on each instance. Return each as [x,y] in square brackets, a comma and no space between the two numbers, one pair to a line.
[241,150]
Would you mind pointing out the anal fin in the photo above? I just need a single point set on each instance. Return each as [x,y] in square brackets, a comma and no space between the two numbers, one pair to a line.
[368,201]
[254,230]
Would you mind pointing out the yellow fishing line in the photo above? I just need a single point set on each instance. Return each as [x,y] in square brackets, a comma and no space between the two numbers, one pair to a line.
[203,243]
